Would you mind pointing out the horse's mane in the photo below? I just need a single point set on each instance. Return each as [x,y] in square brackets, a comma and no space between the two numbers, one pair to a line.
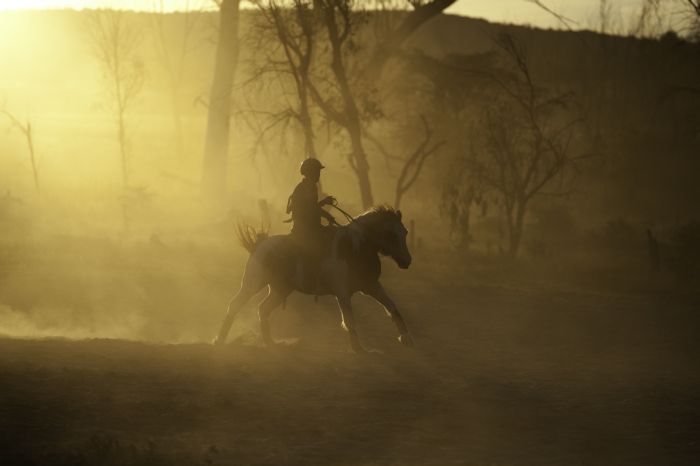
[378,214]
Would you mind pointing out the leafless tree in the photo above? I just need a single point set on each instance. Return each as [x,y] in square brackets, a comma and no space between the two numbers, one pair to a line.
[451,91]
[651,21]
[172,56]
[338,100]
[216,146]
[605,17]
[420,12]
[27,131]
[115,44]
[342,89]
[692,18]
[410,164]
[463,190]
[294,29]
[563,20]
[525,141]
[396,36]
[331,79]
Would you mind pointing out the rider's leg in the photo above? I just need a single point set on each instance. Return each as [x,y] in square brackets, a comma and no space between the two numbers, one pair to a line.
[378,292]
[303,240]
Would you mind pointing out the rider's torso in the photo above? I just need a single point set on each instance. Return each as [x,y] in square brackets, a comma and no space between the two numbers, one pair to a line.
[306,213]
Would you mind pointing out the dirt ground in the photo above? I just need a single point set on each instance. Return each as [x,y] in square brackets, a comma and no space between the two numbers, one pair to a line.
[503,374]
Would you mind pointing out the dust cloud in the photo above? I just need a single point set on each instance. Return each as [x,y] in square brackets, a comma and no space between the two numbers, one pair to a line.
[548,180]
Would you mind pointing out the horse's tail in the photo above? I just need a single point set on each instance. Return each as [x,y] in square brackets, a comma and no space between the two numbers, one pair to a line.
[249,237]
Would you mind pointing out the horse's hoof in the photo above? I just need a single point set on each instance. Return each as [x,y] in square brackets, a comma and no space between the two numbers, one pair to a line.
[406,340]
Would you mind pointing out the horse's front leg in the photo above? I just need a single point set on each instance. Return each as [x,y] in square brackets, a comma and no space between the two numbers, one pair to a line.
[378,292]
[348,322]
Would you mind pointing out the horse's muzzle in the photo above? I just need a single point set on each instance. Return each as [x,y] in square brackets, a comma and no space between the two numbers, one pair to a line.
[404,263]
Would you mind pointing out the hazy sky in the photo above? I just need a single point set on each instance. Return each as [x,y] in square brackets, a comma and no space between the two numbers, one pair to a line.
[513,11]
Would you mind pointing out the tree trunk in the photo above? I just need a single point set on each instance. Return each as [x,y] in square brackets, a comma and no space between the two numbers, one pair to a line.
[398,196]
[121,130]
[464,225]
[360,165]
[515,227]
[350,115]
[216,145]
[411,23]
[177,124]
[32,158]
[306,122]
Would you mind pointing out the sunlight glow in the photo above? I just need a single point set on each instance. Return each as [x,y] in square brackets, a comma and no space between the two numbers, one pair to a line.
[142,5]
[583,12]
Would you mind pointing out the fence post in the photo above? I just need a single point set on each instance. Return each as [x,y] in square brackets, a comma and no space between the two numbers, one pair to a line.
[265,221]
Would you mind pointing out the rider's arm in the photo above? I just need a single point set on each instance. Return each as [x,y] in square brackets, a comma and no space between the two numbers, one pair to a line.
[328,217]
[326,201]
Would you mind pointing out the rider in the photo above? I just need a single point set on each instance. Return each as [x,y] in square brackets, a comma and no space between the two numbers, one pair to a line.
[307,232]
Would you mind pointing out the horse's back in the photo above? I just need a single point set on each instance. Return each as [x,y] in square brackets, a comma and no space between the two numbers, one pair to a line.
[272,245]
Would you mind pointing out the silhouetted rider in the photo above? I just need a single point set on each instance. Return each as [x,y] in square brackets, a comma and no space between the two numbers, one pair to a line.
[307,232]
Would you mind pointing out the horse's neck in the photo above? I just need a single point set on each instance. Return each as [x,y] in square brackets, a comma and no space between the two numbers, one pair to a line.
[361,239]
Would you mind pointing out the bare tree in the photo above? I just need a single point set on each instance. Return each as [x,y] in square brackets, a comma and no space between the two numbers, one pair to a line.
[216,146]
[462,191]
[451,91]
[421,12]
[115,43]
[27,131]
[692,18]
[411,164]
[561,19]
[524,140]
[294,28]
[605,17]
[650,21]
[342,92]
[172,56]
[340,104]
[394,38]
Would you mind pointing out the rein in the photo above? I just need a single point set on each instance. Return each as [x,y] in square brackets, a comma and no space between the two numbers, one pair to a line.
[349,217]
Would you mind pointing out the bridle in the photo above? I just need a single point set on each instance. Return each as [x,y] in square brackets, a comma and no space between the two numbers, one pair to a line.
[349,217]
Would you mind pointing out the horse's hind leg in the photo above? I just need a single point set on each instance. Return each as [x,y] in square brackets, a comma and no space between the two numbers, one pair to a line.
[236,303]
[378,292]
[253,281]
[275,297]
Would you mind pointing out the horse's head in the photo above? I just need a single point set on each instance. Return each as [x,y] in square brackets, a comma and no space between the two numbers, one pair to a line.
[388,234]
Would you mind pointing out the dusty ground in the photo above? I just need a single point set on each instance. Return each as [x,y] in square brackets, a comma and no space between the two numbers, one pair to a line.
[503,374]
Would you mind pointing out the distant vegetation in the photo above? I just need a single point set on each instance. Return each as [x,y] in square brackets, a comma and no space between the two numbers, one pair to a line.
[476,129]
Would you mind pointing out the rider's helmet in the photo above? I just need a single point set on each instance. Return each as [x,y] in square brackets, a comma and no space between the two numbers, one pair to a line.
[309,166]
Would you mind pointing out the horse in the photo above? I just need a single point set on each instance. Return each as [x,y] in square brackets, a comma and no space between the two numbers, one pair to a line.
[352,265]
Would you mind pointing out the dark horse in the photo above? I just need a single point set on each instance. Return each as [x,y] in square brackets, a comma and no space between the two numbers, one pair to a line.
[352,265]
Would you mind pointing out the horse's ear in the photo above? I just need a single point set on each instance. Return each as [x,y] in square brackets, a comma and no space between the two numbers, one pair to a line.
[398,212]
